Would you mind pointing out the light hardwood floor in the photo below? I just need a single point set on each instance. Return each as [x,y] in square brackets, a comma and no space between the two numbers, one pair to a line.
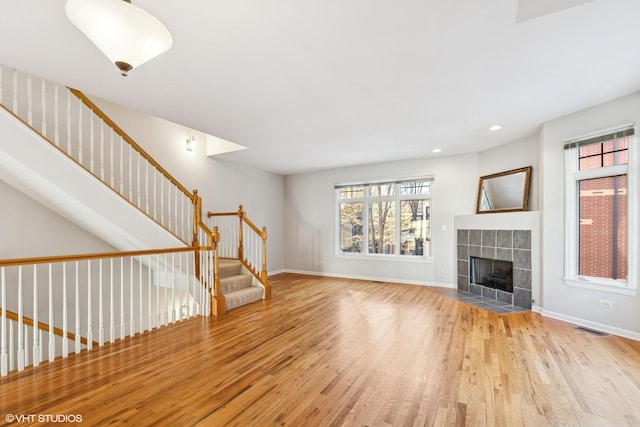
[336,352]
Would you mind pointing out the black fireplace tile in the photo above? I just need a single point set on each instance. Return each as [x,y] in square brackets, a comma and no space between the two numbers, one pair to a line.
[475,251]
[505,239]
[475,237]
[522,239]
[463,237]
[463,283]
[522,259]
[522,278]
[463,267]
[522,298]
[488,252]
[489,238]
[504,254]
[463,251]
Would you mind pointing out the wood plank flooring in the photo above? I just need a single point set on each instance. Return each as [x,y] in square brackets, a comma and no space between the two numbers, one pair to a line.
[336,352]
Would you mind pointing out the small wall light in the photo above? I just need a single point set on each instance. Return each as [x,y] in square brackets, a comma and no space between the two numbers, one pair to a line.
[190,143]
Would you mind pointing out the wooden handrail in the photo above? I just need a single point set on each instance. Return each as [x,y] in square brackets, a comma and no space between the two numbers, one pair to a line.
[86,101]
[83,257]
[44,327]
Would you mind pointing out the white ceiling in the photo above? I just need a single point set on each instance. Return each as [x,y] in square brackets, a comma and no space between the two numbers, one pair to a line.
[310,84]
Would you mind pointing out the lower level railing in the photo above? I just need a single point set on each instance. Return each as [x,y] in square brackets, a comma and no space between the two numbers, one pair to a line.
[54,306]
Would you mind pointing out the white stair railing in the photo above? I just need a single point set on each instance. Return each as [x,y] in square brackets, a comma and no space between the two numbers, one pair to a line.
[89,300]
[76,126]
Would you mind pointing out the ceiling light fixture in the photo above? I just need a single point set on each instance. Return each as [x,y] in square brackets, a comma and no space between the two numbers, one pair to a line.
[126,34]
[437,150]
[495,127]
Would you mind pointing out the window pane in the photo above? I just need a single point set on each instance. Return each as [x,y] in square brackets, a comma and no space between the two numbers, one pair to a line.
[387,189]
[414,228]
[603,227]
[382,225]
[351,237]
[608,153]
[356,191]
[415,187]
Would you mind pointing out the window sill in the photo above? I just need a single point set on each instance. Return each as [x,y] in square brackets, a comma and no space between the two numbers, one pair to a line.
[599,286]
[384,257]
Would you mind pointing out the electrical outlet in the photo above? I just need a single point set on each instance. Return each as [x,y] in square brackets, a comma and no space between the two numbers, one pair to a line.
[606,303]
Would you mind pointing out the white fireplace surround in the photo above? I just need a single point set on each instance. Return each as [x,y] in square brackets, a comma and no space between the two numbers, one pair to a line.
[510,221]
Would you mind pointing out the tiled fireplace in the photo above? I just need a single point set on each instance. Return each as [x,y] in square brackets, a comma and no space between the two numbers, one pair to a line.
[512,246]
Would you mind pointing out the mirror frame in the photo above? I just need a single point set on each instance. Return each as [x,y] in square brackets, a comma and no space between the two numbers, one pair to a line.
[525,190]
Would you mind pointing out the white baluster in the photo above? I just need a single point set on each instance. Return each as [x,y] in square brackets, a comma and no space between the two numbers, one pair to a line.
[44,109]
[91,145]
[65,326]
[173,288]
[56,116]
[162,200]
[112,320]
[122,324]
[29,116]
[140,268]
[69,147]
[146,189]
[111,167]
[132,327]
[102,150]
[139,204]
[166,285]
[80,148]
[78,332]
[150,273]
[4,361]
[41,352]
[20,323]
[121,166]
[15,92]
[155,195]
[100,307]
[89,309]
[52,343]
[130,173]
[36,342]
[157,291]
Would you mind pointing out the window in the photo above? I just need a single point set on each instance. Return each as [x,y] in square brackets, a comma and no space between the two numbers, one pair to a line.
[598,207]
[390,218]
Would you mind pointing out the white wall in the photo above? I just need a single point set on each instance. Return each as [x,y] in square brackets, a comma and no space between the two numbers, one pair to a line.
[29,229]
[514,155]
[559,300]
[223,185]
[310,238]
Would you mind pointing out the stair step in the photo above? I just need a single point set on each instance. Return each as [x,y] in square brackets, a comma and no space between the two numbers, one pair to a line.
[243,296]
[234,283]
[229,267]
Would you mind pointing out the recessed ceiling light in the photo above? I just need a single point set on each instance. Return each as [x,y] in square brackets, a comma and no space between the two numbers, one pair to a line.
[437,150]
[495,127]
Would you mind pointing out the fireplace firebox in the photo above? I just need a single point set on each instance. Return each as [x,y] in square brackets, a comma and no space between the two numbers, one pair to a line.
[492,273]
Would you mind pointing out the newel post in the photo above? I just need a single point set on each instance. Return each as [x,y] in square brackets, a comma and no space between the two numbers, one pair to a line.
[218,301]
[241,215]
[263,274]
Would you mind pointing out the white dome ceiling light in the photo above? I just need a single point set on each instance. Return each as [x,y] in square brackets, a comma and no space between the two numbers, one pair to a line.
[126,34]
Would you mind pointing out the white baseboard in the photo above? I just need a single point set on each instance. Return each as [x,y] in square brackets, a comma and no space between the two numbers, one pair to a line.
[592,325]
[372,278]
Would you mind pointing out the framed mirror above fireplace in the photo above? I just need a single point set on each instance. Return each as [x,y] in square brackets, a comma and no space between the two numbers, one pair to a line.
[504,191]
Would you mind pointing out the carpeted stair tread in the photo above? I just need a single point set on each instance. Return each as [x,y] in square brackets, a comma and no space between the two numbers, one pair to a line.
[243,296]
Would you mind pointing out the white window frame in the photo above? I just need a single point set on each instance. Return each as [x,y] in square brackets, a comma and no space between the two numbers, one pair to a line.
[397,198]
[572,178]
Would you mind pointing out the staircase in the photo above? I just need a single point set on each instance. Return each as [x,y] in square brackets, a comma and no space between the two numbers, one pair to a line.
[237,287]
